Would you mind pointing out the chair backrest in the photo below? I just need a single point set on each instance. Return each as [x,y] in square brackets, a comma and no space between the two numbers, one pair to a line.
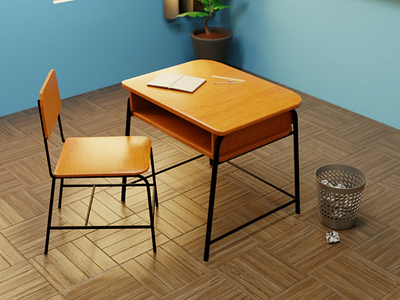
[50,103]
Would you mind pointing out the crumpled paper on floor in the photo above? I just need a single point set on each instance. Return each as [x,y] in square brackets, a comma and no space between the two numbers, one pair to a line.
[332,237]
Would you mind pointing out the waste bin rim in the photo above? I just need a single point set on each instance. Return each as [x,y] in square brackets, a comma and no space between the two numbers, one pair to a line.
[343,167]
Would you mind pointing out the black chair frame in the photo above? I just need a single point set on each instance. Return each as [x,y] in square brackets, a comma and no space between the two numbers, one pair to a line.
[139,178]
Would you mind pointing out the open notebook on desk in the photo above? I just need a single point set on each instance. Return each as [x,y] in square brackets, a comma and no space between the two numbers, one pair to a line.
[177,82]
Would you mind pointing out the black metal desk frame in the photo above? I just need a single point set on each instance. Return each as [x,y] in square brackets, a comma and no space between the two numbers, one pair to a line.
[215,163]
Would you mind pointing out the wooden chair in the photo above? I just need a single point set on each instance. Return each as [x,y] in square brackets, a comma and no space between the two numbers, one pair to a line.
[94,157]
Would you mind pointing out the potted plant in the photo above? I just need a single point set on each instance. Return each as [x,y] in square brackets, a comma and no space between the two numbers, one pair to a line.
[210,42]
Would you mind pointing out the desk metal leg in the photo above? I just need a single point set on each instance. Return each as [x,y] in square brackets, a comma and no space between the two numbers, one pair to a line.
[296,161]
[212,197]
[215,163]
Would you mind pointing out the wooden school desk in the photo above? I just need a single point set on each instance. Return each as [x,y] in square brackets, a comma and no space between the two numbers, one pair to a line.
[220,121]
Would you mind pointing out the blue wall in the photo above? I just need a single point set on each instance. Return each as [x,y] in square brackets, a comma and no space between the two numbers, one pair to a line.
[90,43]
[346,52]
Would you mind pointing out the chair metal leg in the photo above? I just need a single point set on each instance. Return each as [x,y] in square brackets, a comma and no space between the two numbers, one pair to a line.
[296,161]
[151,214]
[153,173]
[61,192]
[128,118]
[46,247]
[212,197]
[127,133]
[123,189]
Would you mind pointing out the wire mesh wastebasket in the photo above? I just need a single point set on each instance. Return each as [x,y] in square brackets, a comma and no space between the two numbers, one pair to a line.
[339,192]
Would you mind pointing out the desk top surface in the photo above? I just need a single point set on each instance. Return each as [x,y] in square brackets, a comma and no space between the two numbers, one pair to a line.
[218,108]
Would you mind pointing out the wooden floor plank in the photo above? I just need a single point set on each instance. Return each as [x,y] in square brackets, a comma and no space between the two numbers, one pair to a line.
[383,250]
[22,281]
[259,273]
[284,256]
[209,286]
[356,277]
[308,288]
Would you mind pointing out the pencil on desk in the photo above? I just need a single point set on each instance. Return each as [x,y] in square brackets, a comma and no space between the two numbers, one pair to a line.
[227,78]
[227,82]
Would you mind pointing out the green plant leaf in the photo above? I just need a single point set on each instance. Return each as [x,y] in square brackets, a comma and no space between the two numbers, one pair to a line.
[193,14]
[215,6]
[216,2]
[205,2]
[221,7]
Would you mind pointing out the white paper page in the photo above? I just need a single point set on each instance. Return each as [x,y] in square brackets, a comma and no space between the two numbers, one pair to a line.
[165,80]
[188,84]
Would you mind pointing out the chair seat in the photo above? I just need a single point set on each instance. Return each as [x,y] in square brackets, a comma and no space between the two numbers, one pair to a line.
[104,156]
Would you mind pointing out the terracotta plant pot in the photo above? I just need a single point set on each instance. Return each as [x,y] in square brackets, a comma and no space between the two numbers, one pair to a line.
[214,47]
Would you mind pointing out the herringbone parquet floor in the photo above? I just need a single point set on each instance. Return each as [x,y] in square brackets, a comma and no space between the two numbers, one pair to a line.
[284,256]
